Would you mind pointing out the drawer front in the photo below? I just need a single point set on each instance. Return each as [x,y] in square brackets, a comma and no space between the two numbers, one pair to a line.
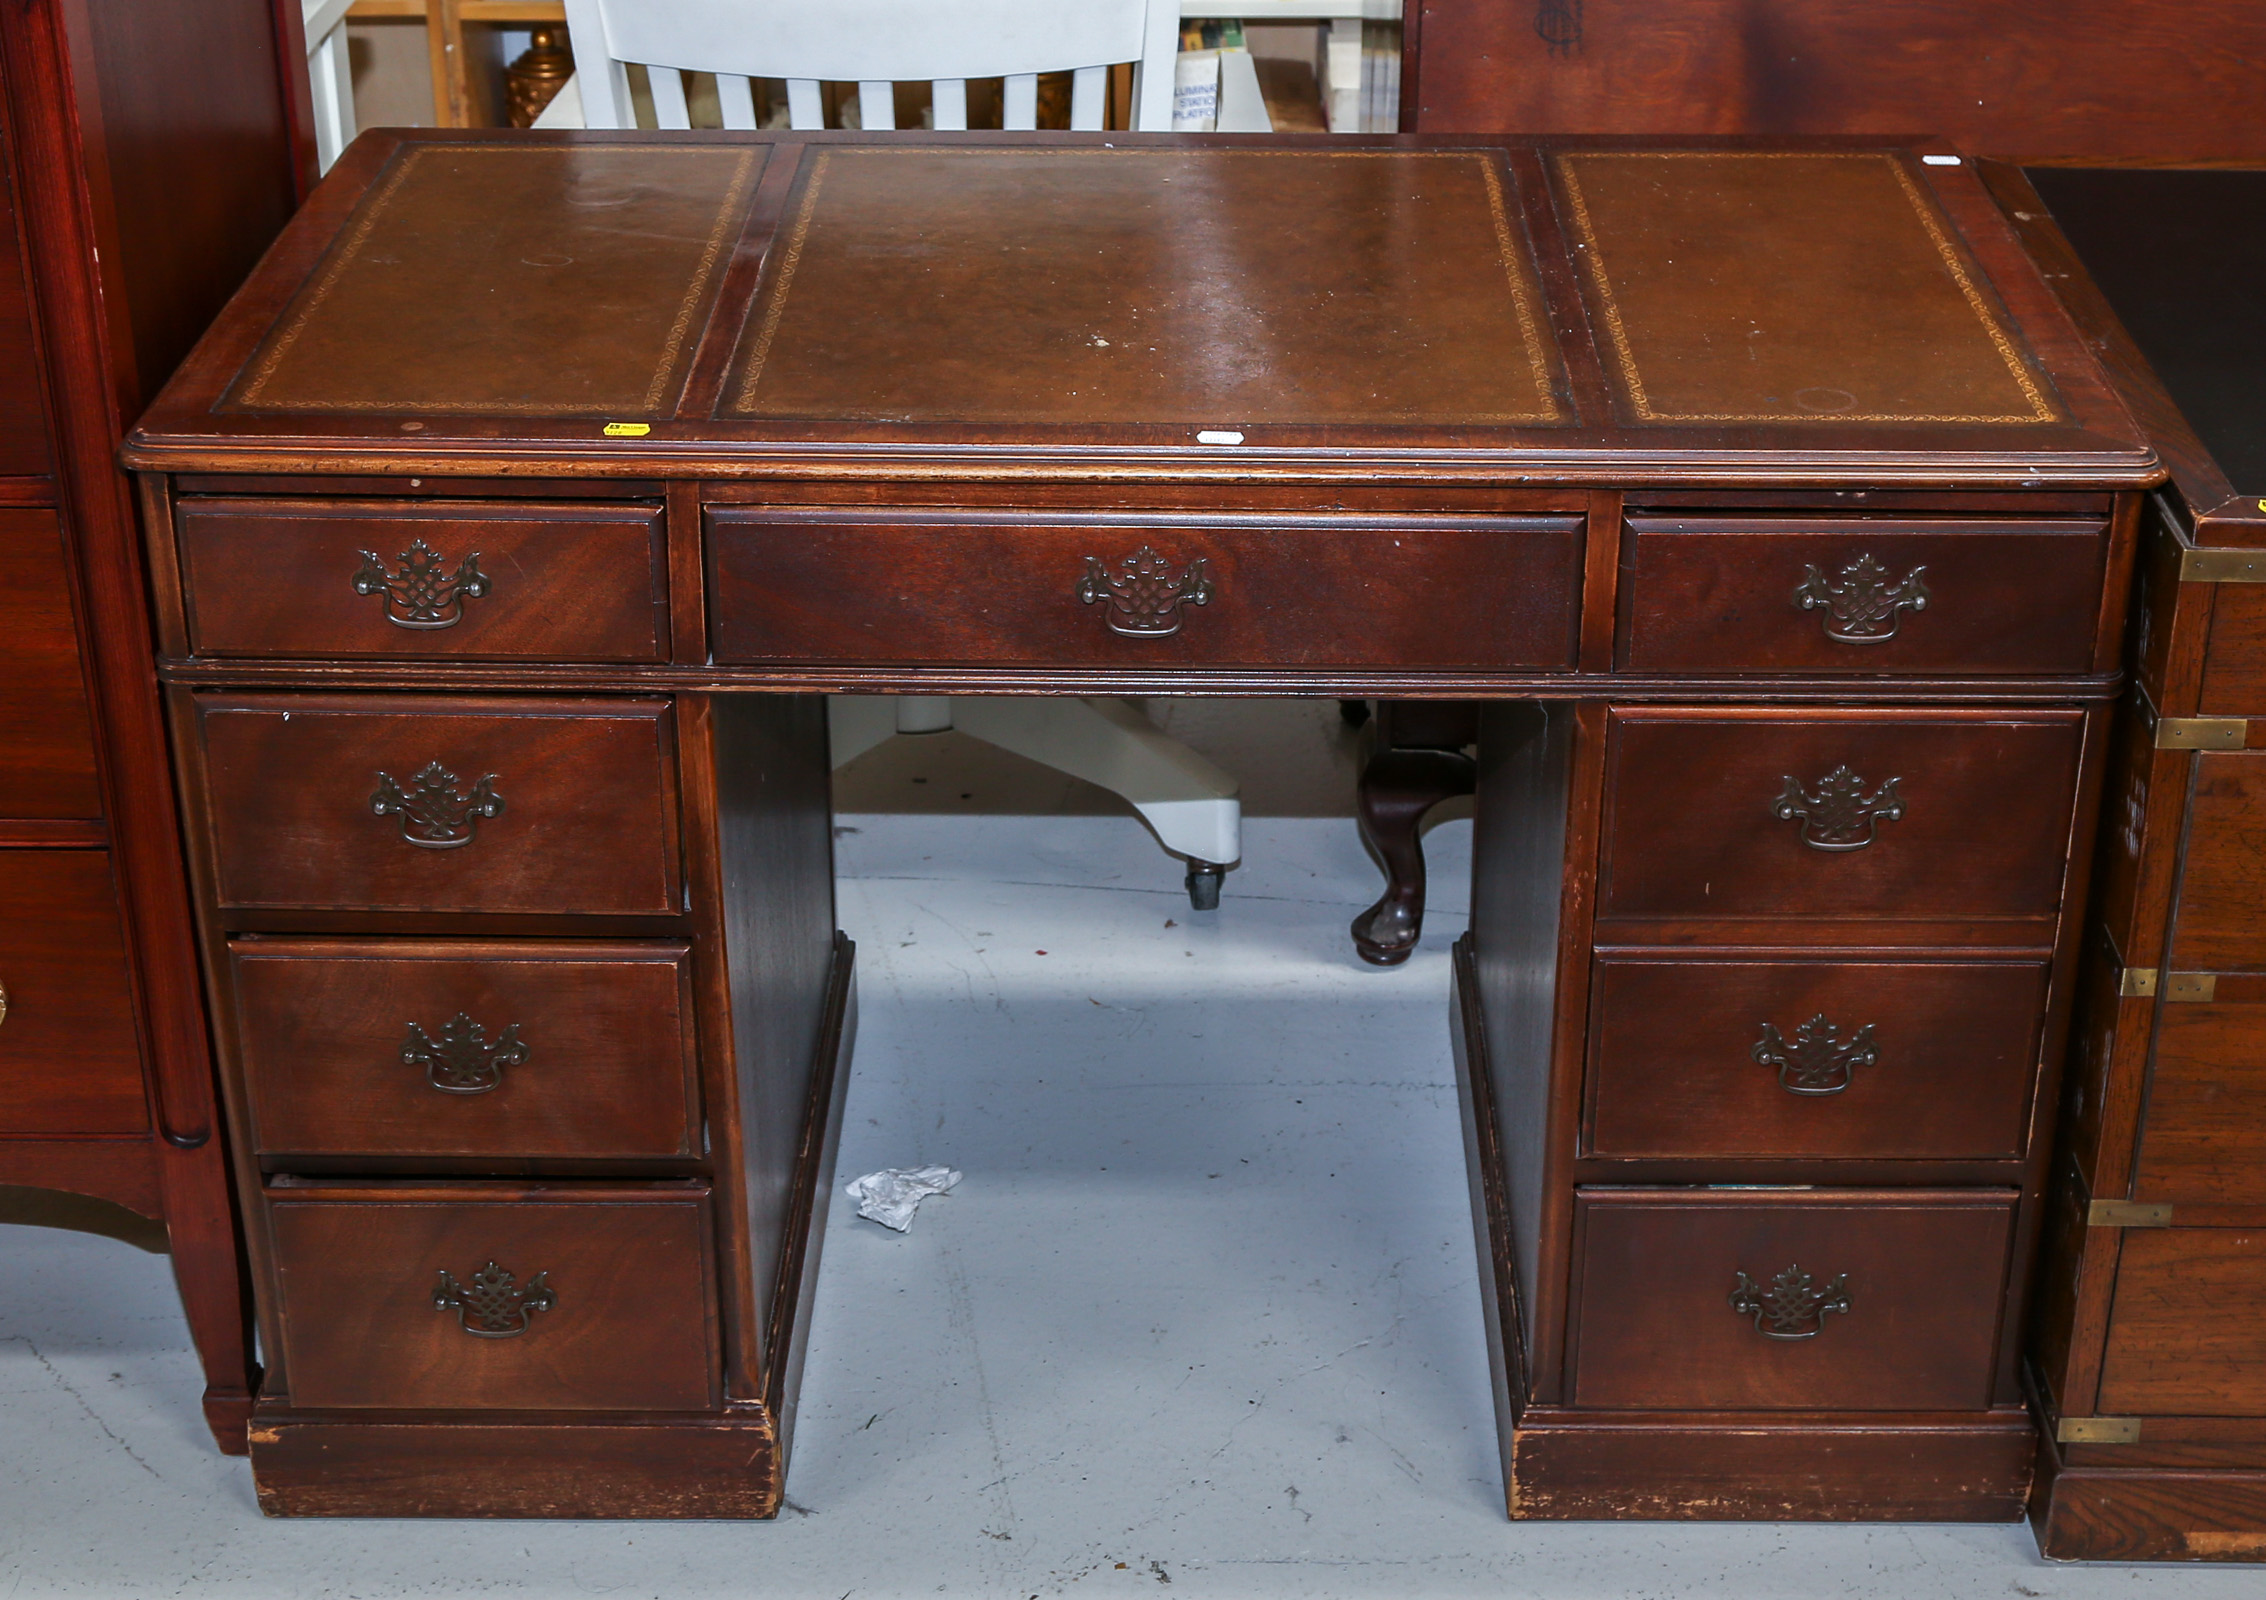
[1488,593]
[69,1058]
[23,408]
[578,1298]
[1882,1300]
[1835,595]
[2234,663]
[441,579]
[47,758]
[513,1050]
[2187,1332]
[413,804]
[2203,1135]
[1790,1058]
[1838,814]
[2222,879]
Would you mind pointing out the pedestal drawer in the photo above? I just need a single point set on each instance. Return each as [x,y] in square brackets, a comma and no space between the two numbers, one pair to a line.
[1793,1057]
[425,804]
[503,1051]
[1791,1299]
[1860,595]
[573,1297]
[938,589]
[471,580]
[1838,814]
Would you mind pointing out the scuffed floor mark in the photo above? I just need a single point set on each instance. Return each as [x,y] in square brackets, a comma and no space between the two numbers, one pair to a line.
[92,1416]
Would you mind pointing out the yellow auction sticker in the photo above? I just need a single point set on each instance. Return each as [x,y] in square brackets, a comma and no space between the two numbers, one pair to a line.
[628,430]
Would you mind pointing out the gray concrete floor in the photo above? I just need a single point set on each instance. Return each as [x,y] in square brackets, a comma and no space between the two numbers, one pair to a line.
[1202,1319]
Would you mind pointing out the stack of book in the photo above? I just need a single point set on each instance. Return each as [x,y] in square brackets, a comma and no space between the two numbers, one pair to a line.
[1360,74]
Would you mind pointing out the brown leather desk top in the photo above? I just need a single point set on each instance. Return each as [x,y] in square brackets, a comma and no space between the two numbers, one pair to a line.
[1569,310]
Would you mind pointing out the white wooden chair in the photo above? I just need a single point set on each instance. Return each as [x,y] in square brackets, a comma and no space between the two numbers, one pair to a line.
[330,79]
[1190,804]
[875,44]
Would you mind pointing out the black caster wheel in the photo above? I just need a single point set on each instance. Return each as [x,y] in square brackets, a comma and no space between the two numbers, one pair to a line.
[1204,885]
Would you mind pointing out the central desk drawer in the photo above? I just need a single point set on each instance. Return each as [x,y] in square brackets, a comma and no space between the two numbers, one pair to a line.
[1799,1058]
[1791,1299]
[968,590]
[571,1297]
[469,580]
[412,803]
[1838,814]
[1831,594]
[518,1050]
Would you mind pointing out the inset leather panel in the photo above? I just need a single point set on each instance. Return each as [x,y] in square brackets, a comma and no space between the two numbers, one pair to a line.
[512,279]
[512,1051]
[477,580]
[50,768]
[1837,815]
[1825,594]
[1213,288]
[409,803]
[70,1058]
[1788,285]
[1851,1300]
[938,588]
[600,1298]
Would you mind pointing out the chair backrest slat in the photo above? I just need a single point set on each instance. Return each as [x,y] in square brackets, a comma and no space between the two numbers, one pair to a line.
[735,98]
[948,102]
[874,44]
[669,107]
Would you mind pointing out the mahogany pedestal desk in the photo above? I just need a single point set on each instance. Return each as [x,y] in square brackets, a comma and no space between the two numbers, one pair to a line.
[511,524]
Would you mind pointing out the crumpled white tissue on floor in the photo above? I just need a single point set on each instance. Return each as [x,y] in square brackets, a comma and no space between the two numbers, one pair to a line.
[892,1195]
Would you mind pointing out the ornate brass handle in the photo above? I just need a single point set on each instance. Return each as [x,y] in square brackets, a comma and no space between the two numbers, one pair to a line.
[420,594]
[1839,815]
[463,1060]
[1861,606]
[1142,595]
[495,1305]
[435,814]
[1794,1306]
[1818,1061]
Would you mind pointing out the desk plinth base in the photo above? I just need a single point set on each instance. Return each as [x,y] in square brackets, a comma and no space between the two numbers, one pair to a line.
[728,1464]
[1575,1466]
[1563,1463]
[2162,1513]
[696,1466]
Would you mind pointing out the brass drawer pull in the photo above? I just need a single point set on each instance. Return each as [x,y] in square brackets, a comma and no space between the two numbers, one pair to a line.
[1818,1061]
[1793,1307]
[435,814]
[1861,606]
[1840,815]
[462,1060]
[1144,594]
[421,595]
[497,1305]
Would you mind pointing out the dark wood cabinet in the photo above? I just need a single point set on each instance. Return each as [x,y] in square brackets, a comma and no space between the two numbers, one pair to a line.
[145,163]
[1777,869]
[2146,1362]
